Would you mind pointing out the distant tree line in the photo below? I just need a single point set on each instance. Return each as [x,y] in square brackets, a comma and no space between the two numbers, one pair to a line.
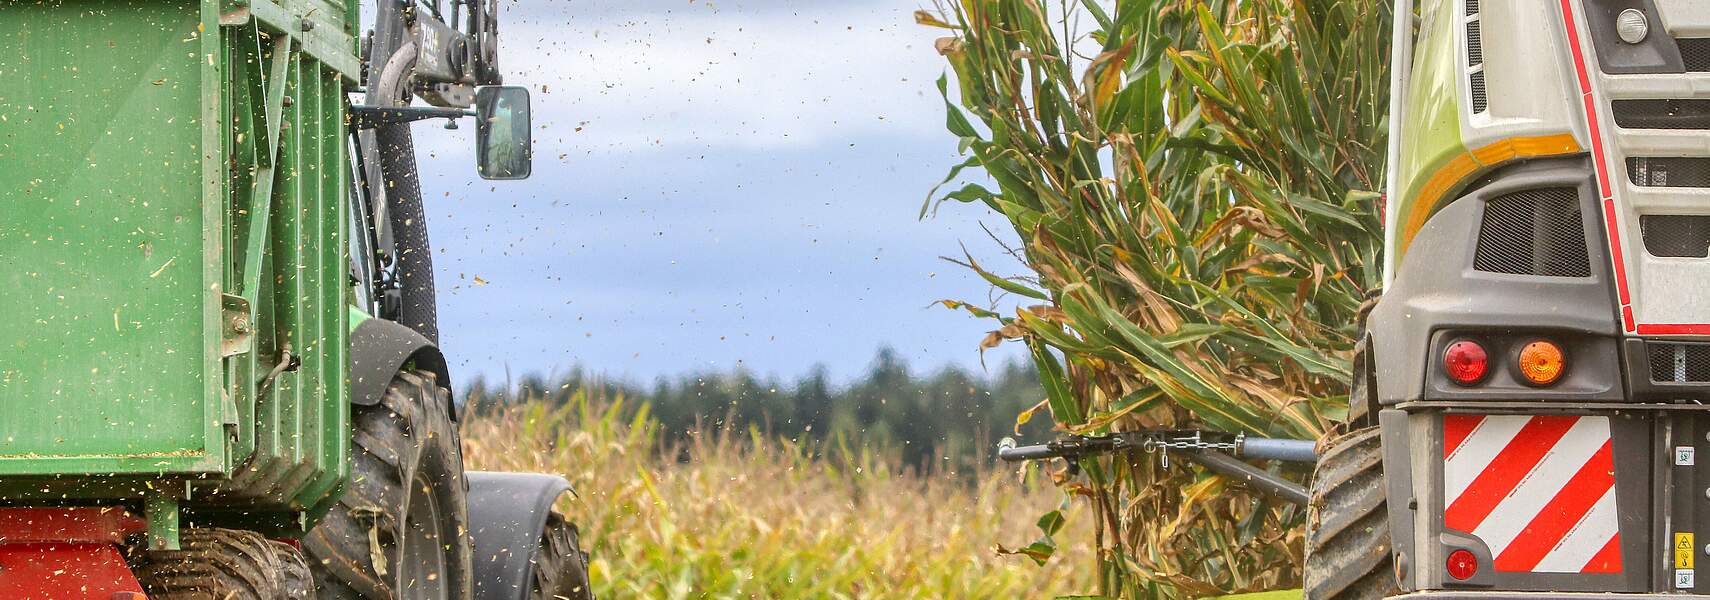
[942,421]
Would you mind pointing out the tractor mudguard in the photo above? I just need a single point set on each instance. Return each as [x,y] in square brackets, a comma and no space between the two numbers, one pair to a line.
[379,349]
[507,514]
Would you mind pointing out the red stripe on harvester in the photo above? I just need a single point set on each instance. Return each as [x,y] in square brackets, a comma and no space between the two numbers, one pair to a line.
[1610,224]
[1506,471]
[1597,143]
[1619,255]
[1557,518]
[1673,329]
[1456,428]
[1607,560]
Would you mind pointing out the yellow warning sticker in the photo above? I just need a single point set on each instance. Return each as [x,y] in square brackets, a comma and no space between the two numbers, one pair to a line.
[1683,550]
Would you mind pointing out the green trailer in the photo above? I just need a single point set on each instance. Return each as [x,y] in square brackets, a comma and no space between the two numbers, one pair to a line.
[177,227]
[211,315]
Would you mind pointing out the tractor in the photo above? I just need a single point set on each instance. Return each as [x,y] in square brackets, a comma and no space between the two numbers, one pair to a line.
[221,376]
[1529,390]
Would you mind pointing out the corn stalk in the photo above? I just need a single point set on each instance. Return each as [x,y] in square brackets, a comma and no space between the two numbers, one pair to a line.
[1191,182]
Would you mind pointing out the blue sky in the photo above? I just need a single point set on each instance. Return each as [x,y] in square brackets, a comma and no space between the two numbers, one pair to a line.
[717,185]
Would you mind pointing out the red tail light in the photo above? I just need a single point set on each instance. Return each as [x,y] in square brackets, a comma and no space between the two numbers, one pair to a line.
[1466,362]
[1462,565]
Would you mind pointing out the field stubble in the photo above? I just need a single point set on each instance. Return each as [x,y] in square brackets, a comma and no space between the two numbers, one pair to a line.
[740,514]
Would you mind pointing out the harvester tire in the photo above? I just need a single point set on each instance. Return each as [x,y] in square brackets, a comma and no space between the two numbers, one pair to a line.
[225,564]
[401,530]
[1348,553]
[561,567]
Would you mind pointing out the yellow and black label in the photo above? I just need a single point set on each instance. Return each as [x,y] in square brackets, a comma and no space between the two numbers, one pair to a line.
[1683,550]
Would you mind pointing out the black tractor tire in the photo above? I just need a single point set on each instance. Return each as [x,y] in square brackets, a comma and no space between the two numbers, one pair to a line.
[401,530]
[1348,550]
[225,564]
[561,567]
[419,309]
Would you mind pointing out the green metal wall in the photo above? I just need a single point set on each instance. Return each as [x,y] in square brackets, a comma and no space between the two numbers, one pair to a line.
[173,181]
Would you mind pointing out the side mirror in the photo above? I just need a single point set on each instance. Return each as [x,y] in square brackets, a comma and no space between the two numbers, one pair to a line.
[503,138]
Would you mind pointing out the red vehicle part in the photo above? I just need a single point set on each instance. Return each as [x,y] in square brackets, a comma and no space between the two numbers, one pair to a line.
[66,554]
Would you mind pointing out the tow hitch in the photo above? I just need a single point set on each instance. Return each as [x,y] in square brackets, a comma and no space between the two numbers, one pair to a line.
[1214,450]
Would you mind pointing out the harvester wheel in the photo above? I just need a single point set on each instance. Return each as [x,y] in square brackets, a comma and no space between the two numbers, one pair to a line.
[225,564]
[401,529]
[561,567]
[1348,554]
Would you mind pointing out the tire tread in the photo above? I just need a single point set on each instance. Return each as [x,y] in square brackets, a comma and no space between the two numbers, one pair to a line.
[391,441]
[1348,550]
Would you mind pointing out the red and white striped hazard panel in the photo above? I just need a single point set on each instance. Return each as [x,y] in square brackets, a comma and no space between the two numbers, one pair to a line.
[1538,490]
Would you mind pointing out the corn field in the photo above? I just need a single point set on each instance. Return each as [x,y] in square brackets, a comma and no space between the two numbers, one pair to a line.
[1193,186]
[736,513]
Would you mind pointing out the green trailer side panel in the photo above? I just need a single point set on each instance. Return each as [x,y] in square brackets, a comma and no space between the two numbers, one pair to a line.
[288,200]
[331,38]
[175,181]
[107,306]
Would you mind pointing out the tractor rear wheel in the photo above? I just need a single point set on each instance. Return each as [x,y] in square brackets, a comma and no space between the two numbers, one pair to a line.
[225,564]
[1348,553]
[400,531]
[560,567]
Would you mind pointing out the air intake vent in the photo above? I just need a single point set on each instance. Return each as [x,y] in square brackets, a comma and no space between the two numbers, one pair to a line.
[1679,363]
[1475,44]
[1536,232]
[1696,54]
[1663,114]
[1669,172]
[1475,60]
[1480,98]
[1676,236]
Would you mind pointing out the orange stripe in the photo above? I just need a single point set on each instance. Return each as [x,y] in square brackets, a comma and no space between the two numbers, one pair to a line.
[1468,163]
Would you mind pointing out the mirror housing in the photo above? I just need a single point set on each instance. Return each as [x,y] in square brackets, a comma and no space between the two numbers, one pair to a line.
[504,144]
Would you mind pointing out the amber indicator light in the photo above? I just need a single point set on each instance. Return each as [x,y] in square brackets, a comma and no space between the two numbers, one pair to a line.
[1542,362]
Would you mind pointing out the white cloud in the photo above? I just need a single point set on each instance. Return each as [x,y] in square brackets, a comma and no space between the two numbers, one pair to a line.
[703,78]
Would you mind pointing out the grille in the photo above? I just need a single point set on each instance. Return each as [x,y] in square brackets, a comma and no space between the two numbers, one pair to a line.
[1475,44]
[1480,98]
[1663,114]
[1696,54]
[1475,59]
[1676,236]
[1669,171]
[1536,232]
[1679,363]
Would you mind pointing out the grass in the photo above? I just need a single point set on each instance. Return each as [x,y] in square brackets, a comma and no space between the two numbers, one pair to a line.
[738,514]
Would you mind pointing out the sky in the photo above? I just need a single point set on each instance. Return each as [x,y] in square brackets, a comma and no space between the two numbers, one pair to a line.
[717,186]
